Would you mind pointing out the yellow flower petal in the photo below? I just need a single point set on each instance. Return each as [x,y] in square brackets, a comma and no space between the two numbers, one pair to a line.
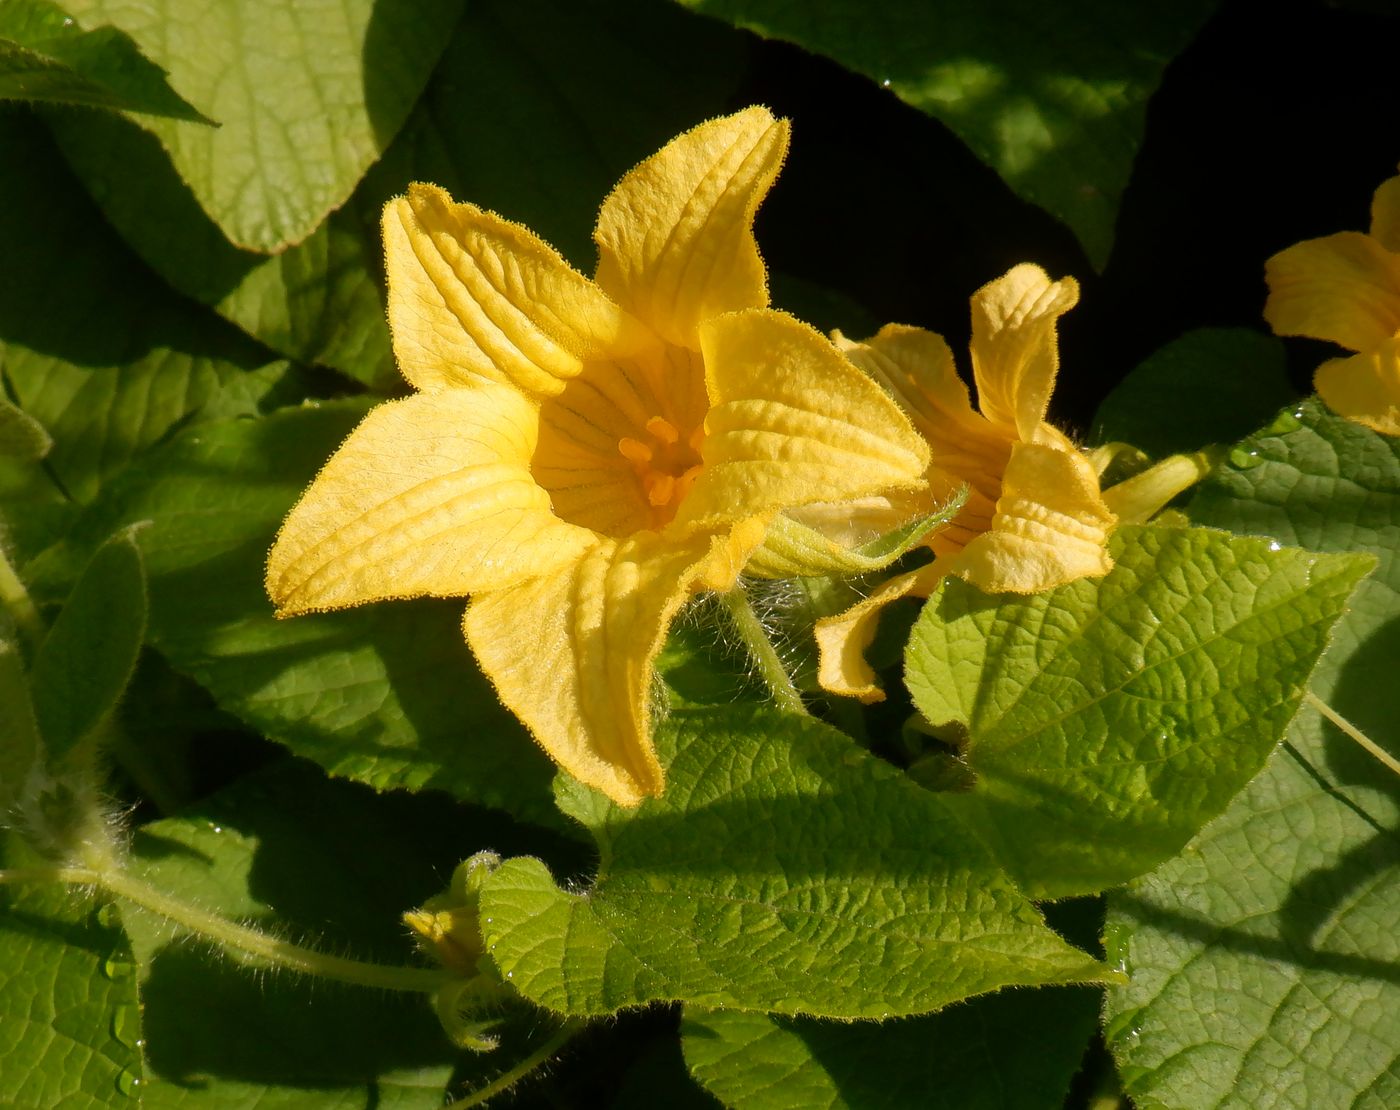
[916,367]
[1385,215]
[571,653]
[1343,287]
[475,297]
[1051,526]
[843,639]
[792,422]
[1015,352]
[429,495]
[1364,388]
[675,238]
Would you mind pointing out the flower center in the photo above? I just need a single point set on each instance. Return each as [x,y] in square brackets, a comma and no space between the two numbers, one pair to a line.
[665,466]
[619,446]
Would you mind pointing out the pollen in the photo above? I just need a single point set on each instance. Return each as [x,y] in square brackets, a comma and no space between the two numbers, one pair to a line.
[665,463]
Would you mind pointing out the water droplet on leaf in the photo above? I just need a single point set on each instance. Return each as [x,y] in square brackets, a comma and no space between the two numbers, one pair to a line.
[128,1082]
[117,969]
[1241,459]
[126,1023]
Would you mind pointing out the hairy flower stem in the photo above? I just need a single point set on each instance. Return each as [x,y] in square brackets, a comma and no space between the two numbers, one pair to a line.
[234,937]
[765,657]
[1351,730]
[15,598]
[506,1080]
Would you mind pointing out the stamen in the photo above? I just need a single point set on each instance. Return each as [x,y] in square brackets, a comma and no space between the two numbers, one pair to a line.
[663,430]
[634,450]
[660,488]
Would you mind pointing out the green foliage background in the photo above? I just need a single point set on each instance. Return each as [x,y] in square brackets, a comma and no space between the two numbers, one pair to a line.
[1144,895]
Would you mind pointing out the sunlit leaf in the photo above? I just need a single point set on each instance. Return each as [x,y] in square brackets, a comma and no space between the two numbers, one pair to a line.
[1109,719]
[307,97]
[1263,959]
[785,870]
[1053,96]
[46,56]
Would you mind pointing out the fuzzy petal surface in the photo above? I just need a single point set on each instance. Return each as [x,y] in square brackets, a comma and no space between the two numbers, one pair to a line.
[1364,388]
[571,653]
[792,422]
[1015,351]
[675,237]
[429,495]
[1051,526]
[475,297]
[1343,287]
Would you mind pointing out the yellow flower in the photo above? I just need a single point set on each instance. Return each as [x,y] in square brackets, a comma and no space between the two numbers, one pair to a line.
[1034,517]
[581,456]
[1346,288]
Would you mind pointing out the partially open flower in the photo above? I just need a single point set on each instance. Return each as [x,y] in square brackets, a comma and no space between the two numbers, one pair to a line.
[1034,517]
[581,455]
[1346,288]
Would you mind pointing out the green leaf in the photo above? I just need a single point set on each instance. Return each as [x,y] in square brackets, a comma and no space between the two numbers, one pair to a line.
[307,98]
[766,1062]
[1211,385]
[21,436]
[319,862]
[1109,720]
[387,694]
[45,55]
[784,869]
[1053,97]
[517,118]
[1263,960]
[67,998]
[95,347]
[82,667]
[19,734]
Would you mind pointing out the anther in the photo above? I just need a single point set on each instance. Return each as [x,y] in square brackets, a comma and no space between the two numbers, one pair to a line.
[634,450]
[663,430]
[660,488]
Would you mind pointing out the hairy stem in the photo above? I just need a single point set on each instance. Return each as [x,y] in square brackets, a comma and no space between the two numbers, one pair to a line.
[765,657]
[1351,730]
[506,1080]
[232,936]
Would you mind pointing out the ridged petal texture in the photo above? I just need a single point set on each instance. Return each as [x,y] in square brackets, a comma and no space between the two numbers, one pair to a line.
[573,459]
[1034,517]
[675,238]
[429,495]
[475,297]
[571,653]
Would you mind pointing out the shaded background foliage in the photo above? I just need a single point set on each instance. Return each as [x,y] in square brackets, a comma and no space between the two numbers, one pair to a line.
[127,315]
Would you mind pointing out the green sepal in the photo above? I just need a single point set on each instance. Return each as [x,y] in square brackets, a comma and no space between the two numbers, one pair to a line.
[793,550]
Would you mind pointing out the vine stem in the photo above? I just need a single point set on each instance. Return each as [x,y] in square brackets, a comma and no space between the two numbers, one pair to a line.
[506,1080]
[761,650]
[1351,730]
[240,938]
[16,599]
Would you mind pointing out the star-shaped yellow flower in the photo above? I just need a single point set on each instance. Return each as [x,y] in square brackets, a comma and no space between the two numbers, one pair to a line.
[1346,288]
[581,456]
[1034,516]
